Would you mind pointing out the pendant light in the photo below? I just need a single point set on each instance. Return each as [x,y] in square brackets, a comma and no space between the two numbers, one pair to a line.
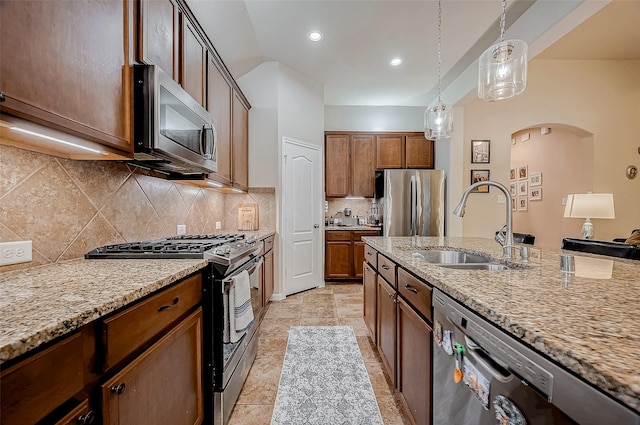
[502,72]
[438,121]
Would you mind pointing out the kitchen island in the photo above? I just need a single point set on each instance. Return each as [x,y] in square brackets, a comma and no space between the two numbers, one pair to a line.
[587,322]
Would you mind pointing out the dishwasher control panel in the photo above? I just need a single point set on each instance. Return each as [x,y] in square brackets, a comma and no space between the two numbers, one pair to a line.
[520,359]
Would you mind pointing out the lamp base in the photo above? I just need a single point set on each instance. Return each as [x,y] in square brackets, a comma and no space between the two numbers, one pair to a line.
[587,230]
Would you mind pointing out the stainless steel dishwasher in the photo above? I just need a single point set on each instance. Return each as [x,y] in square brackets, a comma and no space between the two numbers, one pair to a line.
[482,376]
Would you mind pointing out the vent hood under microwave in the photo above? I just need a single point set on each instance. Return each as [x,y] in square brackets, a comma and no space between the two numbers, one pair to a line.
[173,134]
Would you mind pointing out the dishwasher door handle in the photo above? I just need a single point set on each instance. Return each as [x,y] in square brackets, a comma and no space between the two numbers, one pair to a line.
[477,356]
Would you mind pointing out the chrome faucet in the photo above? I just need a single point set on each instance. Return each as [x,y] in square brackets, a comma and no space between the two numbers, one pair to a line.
[507,240]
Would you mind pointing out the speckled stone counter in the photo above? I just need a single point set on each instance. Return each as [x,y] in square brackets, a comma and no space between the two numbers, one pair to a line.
[588,322]
[40,304]
[332,227]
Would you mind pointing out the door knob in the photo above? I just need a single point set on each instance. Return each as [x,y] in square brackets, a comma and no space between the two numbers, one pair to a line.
[315,226]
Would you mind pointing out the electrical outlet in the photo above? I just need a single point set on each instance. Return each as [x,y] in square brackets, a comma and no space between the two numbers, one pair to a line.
[15,252]
[182,229]
[218,225]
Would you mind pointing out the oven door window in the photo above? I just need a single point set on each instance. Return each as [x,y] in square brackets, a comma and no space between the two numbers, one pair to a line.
[181,125]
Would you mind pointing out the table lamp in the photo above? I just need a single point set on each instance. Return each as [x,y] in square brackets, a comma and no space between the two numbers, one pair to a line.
[588,206]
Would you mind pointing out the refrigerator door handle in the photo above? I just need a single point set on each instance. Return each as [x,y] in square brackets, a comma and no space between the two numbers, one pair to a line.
[413,207]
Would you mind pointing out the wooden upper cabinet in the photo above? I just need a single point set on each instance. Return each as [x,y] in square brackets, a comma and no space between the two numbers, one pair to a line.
[240,143]
[158,36]
[390,151]
[419,152]
[66,65]
[337,165]
[193,62]
[219,94]
[363,164]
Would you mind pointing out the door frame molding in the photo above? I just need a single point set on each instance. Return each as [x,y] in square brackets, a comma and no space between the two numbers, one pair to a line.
[284,140]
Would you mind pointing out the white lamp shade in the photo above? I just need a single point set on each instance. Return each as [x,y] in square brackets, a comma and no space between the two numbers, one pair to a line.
[502,72]
[590,205]
[438,122]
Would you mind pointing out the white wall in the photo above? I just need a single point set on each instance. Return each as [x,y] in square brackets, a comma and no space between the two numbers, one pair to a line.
[373,118]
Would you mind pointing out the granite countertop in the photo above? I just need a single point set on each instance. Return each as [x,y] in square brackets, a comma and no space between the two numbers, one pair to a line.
[42,303]
[259,234]
[588,322]
[333,227]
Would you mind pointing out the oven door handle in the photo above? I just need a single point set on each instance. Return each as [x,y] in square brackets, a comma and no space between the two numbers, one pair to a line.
[250,268]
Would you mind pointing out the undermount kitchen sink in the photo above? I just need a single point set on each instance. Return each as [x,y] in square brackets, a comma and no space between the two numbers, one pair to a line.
[459,260]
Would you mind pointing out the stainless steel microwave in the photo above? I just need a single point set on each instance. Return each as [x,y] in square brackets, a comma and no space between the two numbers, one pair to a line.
[173,133]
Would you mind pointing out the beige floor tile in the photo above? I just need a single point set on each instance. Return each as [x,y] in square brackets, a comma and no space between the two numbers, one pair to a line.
[346,288]
[319,321]
[368,351]
[357,323]
[272,348]
[314,298]
[251,414]
[349,310]
[320,310]
[261,386]
[277,327]
[284,311]
[324,290]
[349,298]
[291,299]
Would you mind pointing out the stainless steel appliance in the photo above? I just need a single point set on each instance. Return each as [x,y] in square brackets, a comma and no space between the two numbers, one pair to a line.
[412,202]
[502,381]
[226,365]
[173,134]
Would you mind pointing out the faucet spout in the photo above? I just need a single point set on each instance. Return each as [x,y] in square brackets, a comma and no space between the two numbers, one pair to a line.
[508,240]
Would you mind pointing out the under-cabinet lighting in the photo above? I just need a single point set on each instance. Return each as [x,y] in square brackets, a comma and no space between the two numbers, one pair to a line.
[215,184]
[354,197]
[53,139]
[237,190]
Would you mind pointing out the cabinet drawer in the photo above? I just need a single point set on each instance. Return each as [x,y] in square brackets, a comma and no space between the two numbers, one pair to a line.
[133,327]
[82,414]
[416,292]
[371,256]
[338,235]
[33,388]
[268,243]
[387,269]
[358,234]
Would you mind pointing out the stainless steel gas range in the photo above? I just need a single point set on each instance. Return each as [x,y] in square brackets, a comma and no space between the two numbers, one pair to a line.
[226,365]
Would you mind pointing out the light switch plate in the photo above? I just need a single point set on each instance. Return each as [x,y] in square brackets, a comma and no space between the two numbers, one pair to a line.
[218,225]
[15,252]
[182,229]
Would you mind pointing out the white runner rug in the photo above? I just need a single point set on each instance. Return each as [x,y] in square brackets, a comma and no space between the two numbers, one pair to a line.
[324,380]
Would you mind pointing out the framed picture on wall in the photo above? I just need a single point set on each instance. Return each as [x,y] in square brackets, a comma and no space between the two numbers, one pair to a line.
[513,189]
[522,172]
[535,179]
[480,176]
[535,193]
[523,203]
[480,151]
[514,204]
[522,188]
[513,173]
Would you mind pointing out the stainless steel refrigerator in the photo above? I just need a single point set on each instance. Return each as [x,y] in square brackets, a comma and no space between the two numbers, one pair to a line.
[412,202]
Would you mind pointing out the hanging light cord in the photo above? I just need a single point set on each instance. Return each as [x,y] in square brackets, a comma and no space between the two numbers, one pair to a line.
[439,46]
[502,19]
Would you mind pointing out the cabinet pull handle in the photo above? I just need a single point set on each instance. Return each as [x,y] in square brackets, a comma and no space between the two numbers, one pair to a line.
[384,266]
[88,418]
[118,389]
[164,307]
[410,289]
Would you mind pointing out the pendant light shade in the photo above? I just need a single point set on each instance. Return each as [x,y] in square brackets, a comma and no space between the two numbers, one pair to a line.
[438,121]
[502,72]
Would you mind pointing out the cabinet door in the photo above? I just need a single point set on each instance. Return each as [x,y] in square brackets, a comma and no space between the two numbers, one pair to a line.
[338,260]
[163,385]
[193,61]
[414,364]
[82,414]
[389,151]
[159,35]
[363,166]
[386,318]
[66,64]
[219,105]
[419,152]
[268,277]
[369,287]
[336,165]
[358,258]
[240,143]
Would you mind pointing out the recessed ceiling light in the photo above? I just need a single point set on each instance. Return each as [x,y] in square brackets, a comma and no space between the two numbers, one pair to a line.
[395,62]
[314,36]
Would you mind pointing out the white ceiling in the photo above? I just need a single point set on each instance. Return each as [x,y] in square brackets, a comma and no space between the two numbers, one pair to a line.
[362,36]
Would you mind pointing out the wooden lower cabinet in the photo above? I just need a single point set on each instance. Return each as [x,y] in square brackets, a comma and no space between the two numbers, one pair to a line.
[369,287]
[268,278]
[82,415]
[387,321]
[163,385]
[344,253]
[414,364]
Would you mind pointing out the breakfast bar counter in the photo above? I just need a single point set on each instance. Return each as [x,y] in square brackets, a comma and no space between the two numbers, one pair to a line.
[588,322]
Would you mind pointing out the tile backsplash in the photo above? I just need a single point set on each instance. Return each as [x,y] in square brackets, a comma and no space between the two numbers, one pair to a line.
[69,207]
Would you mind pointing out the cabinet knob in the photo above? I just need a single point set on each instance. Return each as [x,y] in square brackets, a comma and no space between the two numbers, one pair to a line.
[88,418]
[118,389]
[2,98]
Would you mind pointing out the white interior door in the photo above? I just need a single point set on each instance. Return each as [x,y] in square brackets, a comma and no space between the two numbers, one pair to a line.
[301,212]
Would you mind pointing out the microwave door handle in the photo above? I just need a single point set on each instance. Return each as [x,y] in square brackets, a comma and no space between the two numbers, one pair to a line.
[206,146]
